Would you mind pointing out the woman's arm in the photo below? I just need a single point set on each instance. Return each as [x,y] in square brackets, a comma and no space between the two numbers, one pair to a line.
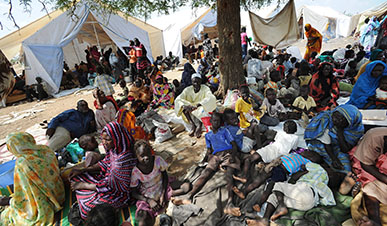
[374,171]
[343,144]
[335,161]
[152,203]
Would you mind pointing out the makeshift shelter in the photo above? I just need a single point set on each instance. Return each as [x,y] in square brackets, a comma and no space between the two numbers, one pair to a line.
[60,36]
[378,11]
[280,30]
[330,23]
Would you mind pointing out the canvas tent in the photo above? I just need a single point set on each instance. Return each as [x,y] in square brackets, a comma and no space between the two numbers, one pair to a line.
[378,11]
[280,30]
[330,23]
[65,37]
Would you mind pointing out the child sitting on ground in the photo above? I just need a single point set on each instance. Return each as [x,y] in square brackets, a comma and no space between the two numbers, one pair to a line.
[222,153]
[245,139]
[249,116]
[150,183]
[284,142]
[275,78]
[123,99]
[304,105]
[380,98]
[275,111]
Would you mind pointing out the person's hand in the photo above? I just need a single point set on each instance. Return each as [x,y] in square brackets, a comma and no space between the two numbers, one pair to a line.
[50,132]
[337,164]
[75,172]
[153,204]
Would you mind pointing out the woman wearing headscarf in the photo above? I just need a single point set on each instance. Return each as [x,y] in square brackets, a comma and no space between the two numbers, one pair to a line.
[39,190]
[367,84]
[333,134]
[314,41]
[163,95]
[376,54]
[324,87]
[187,74]
[140,96]
[370,165]
[112,183]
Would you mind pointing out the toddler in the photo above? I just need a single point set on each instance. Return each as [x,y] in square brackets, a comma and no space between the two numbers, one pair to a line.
[381,94]
[304,104]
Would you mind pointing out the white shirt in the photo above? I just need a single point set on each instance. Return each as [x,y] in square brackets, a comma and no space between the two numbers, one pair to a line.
[254,68]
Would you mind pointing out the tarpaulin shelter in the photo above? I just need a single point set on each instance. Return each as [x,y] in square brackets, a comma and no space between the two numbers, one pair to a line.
[378,11]
[47,42]
[329,22]
[279,30]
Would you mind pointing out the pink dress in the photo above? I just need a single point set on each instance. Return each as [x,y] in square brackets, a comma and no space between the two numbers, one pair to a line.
[150,185]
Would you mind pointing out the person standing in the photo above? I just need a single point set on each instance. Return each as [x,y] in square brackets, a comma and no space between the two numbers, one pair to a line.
[314,41]
[244,41]
[142,60]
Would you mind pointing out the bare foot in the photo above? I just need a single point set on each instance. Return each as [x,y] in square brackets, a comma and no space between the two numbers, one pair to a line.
[261,222]
[234,211]
[198,131]
[179,202]
[281,211]
[238,193]
[257,208]
[347,184]
[240,179]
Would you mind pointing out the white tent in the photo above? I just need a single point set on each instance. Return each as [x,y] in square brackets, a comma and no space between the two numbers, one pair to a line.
[378,11]
[330,23]
[56,37]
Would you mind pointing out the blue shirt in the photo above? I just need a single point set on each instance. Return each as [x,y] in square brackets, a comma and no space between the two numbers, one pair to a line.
[219,141]
[237,134]
[74,121]
[293,162]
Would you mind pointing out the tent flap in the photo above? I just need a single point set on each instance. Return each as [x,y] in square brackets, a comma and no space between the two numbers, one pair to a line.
[280,30]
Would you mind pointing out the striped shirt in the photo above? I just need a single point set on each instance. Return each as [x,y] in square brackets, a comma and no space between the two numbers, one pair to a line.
[293,162]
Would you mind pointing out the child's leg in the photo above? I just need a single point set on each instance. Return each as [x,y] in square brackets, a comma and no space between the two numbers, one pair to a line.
[264,197]
[247,163]
[373,208]
[261,178]
[234,211]
[254,133]
[144,219]
[204,177]
[281,209]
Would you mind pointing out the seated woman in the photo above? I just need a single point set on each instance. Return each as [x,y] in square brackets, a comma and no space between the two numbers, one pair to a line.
[111,184]
[333,134]
[324,88]
[140,97]
[186,75]
[39,190]
[370,162]
[106,109]
[194,103]
[163,94]
[366,85]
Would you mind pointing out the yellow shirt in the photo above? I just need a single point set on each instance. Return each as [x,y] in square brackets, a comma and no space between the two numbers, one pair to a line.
[304,79]
[300,102]
[242,107]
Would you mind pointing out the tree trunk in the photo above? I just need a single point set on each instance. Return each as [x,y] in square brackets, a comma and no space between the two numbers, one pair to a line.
[230,50]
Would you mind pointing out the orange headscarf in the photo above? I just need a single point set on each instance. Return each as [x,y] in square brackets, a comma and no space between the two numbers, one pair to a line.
[312,45]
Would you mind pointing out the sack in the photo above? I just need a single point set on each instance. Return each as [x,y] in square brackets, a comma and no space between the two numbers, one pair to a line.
[231,98]
[162,133]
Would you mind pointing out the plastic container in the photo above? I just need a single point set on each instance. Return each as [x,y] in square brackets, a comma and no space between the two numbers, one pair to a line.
[6,173]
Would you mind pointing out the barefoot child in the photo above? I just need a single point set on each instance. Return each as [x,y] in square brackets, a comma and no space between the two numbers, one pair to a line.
[273,107]
[221,152]
[304,104]
[150,182]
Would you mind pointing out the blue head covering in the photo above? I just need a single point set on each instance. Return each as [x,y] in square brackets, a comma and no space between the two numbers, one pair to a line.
[366,85]
[323,121]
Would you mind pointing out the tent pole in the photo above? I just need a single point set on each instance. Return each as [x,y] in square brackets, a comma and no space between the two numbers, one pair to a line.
[96,36]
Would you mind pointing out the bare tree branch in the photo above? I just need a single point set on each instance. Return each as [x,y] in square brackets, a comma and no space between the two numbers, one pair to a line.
[1,25]
[44,7]
[10,16]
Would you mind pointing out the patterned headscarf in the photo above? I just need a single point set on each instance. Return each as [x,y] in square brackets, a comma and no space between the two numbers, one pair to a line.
[20,143]
[121,137]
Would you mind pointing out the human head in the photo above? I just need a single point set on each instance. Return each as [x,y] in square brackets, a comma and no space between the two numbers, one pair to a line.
[290,127]
[360,55]
[170,54]
[143,152]
[100,70]
[116,138]
[367,20]
[349,54]
[244,92]
[352,64]
[122,83]
[205,35]
[313,54]
[271,95]
[137,42]
[377,71]
[275,76]
[131,43]
[159,79]
[196,81]
[82,106]
[280,59]
[270,48]
[253,54]
[243,29]
[102,215]
[216,120]
[88,142]
[19,141]
[293,60]
[307,27]
[383,83]
[326,70]
[304,91]
[39,79]
[339,120]
[349,46]
[97,93]
[138,83]
[376,54]
[230,117]
[176,83]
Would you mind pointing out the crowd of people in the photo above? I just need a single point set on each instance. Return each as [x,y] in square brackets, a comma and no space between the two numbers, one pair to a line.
[340,155]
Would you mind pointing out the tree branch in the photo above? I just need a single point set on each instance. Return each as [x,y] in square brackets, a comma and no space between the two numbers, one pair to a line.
[10,16]
[44,8]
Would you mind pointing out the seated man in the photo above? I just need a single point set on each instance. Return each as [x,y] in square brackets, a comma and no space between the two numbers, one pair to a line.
[171,61]
[70,124]
[194,103]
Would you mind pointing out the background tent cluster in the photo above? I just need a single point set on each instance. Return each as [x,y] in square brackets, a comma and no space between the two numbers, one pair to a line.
[59,36]
[378,11]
